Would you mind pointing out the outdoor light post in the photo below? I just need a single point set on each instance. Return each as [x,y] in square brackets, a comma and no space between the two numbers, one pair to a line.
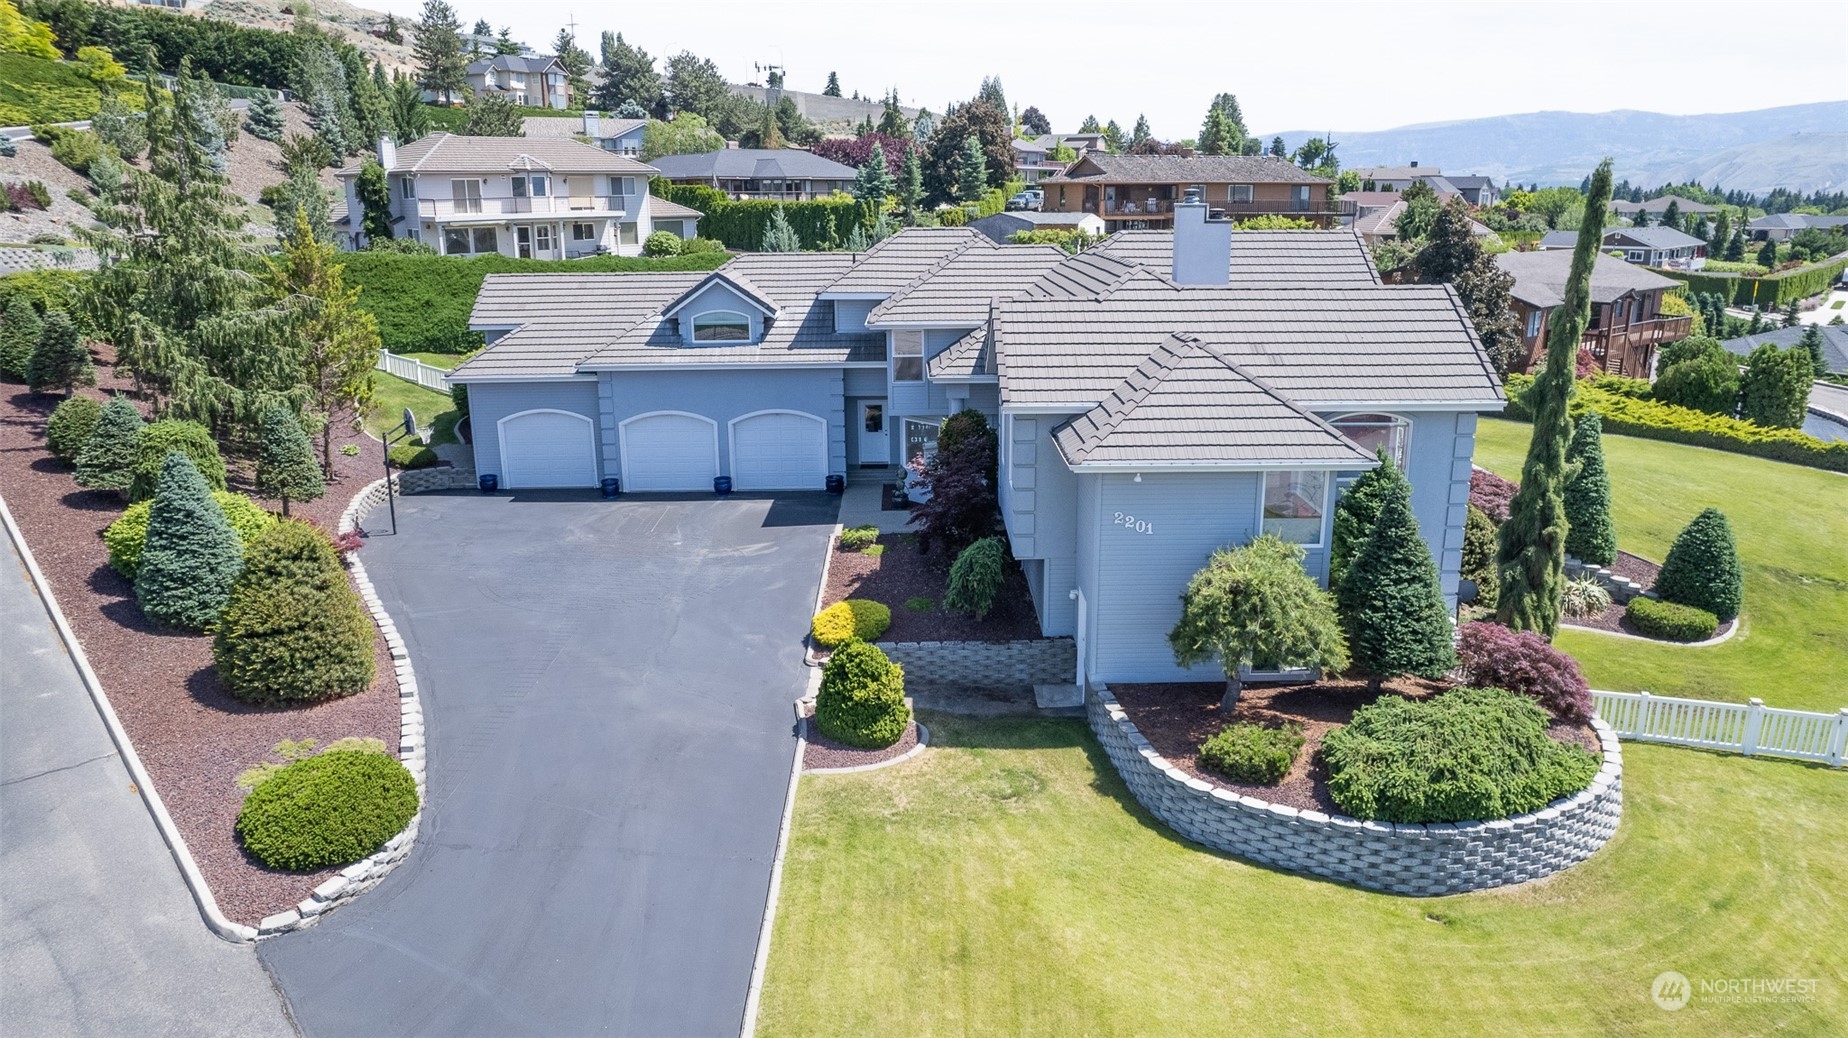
[404,432]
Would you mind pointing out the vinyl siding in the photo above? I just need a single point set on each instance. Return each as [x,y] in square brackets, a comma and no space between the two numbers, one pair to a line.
[717,296]
[489,402]
[850,315]
[721,397]
[925,398]
[866,382]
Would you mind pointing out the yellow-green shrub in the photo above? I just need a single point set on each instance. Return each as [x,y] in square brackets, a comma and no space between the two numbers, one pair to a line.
[856,618]
[127,536]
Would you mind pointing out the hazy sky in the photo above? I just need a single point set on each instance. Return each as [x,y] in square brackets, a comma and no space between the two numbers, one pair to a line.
[1294,66]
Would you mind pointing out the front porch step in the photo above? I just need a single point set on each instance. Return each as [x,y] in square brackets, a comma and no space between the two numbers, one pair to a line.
[857,475]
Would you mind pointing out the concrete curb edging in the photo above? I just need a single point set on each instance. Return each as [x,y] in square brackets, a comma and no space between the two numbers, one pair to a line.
[1738,622]
[215,919]
[1418,860]
[753,999]
[923,742]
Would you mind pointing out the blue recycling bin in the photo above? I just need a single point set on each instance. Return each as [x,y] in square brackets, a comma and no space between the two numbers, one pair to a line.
[489,482]
[721,485]
[611,487]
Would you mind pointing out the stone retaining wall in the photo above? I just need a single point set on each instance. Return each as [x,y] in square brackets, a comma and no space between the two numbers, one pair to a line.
[424,481]
[1044,661]
[1419,860]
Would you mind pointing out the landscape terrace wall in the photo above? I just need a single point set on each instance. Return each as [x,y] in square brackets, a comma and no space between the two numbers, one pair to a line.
[1040,661]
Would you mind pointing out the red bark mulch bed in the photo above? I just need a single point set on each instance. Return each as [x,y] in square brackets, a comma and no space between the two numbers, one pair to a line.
[1177,718]
[1616,618]
[193,736]
[902,574]
[823,752]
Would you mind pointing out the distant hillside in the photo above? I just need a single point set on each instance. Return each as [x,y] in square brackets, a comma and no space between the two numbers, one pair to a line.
[1804,143]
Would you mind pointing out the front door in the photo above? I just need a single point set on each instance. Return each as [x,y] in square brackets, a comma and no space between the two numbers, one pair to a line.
[875,442]
[523,240]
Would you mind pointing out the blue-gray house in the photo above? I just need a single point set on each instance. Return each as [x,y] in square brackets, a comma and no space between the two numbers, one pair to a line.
[1156,398]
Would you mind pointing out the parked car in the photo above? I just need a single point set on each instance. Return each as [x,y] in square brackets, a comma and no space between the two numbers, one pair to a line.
[1029,199]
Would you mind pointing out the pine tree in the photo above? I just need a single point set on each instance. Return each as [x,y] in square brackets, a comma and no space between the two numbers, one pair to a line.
[504,42]
[368,114]
[292,629]
[992,93]
[108,460]
[833,89]
[286,468]
[1216,133]
[1113,137]
[436,49]
[1141,134]
[1735,246]
[1355,516]
[319,82]
[1640,218]
[1590,536]
[1671,216]
[1531,553]
[576,62]
[628,76]
[779,236]
[61,360]
[335,343]
[911,185]
[19,336]
[1793,315]
[374,202]
[1277,149]
[1767,256]
[192,554]
[410,117]
[873,182]
[1090,125]
[1812,342]
[1702,569]
[302,205]
[1392,602]
[857,240]
[265,117]
[971,171]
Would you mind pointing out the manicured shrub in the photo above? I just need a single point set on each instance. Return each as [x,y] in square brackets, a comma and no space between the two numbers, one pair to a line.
[127,537]
[976,577]
[1584,597]
[1492,494]
[855,538]
[1492,656]
[1671,622]
[702,247]
[1702,569]
[412,456]
[1479,555]
[162,438]
[1469,755]
[661,243]
[19,336]
[293,630]
[330,809]
[1590,534]
[1392,601]
[108,460]
[286,467]
[192,554]
[70,426]
[854,618]
[1708,383]
[1256,605]
[60,361]
[1355,514]
[1774,391]
[862,698]
[1252,753]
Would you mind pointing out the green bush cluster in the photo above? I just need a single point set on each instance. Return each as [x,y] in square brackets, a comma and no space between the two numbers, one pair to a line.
[293,630]
[1252,753]
[159,439]
[1467,755]
[1702,569]
[223,50]
[127,537]
[36,90]
[330,809]
[822,224]
[107,461]
[855,618]
[976,577]
[862,698]
[661,243]
[1671,622]
[1479,556]
[1773,290]
[855,538]
[67,431]
[76,149]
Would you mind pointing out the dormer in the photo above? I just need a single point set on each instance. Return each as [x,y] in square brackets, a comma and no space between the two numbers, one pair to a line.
[722,310]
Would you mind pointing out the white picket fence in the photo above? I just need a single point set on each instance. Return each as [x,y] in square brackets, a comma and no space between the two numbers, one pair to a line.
[412,370]
[1749,729]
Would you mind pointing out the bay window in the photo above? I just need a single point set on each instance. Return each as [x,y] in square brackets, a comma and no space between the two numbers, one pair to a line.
[1293,506]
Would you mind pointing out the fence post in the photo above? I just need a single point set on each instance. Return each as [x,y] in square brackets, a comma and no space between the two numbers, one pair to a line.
[1754,720]
[1838,746]
[1645,714]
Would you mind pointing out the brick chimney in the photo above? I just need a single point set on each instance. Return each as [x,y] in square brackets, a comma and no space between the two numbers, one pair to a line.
[1202,243]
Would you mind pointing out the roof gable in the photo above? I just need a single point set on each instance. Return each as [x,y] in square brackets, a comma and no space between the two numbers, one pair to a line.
[727,283]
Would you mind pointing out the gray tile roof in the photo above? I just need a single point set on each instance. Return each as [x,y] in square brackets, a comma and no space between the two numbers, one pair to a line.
[452,153]
[562,317]
[573,126]
[1280,258]
[959,287]
[1103,168]
[1653,237]
[753,164]
[733,277]
[1398,172]
[1088,275]
[1834,343]
[1188,403]
[897,261]
[1470,182]
[1795,221]
[661,209]
[1659,205]
[514,63]
[1540,277]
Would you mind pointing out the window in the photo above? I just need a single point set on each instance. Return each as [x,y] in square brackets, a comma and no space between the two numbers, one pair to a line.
[461,241]
[1299,198]
[1376,432]
[622,185]
[1238,193]
[536,186]
[1533,324]
[677,228]
[407,187]
[542,237]
[583,232]
[921,438]
[907,356]
[517,78]
[486,240]
[629,235]
[1293,506]
[721,326]
[467,195]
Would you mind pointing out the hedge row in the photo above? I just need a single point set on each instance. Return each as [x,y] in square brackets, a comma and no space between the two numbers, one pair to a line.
[1771,291]
[740,225]
[1652,420]
[40,90]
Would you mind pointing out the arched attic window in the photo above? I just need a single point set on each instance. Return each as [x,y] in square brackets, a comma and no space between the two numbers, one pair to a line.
[721,326]
[1375,432]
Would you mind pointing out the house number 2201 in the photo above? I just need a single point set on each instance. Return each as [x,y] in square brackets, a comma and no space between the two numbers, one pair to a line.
[1130,522]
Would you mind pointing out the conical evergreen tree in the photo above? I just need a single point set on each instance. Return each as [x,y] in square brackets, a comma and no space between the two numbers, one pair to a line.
[286,467]
[19,336]
[1590,535]
[264,118]
[1531,553]
[108,460]
[293,629]
[873,182]
[61,361]
[1355,514]
[971,170]
[911,185]
[779,236]
[1392,602]
[1702,569]
[192,554]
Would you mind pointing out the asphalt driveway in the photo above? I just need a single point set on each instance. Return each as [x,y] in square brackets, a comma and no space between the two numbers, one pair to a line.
[607,691]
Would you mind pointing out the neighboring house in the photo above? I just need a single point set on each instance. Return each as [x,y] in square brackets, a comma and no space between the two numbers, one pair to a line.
[622,136]
[1394,178]
[1003,225]
[1033,157]
[1834,343]
[784,174]
[1133,192]
[1144,418]
[1378,222]
[1477,191]
[1657,206]
[1662,247]
[536,81]
[533,197]
[1627,323]
[1784,226]
[821,108]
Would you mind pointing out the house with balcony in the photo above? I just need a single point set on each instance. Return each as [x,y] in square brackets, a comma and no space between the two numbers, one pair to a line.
[622,136]
[782,174]
[1139,192]
[1035,157]
[1662,247]
[531,80]
[1209,384]
[1655,207]
[528,197]
[1627,323]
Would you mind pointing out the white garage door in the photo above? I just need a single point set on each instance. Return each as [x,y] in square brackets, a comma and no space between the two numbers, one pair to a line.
[547,449]
[779,450]
[669,450]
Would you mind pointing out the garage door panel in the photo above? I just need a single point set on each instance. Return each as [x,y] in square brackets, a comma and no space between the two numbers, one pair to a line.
[780,450]
[669,451]
[548,449]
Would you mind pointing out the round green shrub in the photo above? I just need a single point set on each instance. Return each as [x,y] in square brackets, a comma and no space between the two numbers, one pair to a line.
[870,619]
[862,698]
[1252,753]
[412,456]
[293,629]
[976,577]
[856,537]
[68,430]
[661,243]
[845,621]
[1702,569]
[1671,622]
[127,536]
[1469,755]
[330,809]
[158,439]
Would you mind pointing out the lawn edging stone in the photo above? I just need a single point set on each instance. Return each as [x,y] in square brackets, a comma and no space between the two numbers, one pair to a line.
[1039,661]
[1419,860]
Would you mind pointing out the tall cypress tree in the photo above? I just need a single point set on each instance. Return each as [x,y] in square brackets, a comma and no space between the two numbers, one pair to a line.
[286,467]
[108,460]
[192,554]
[19,336]
[1531,553]
[1590,536]
[1392,602]
[911,185]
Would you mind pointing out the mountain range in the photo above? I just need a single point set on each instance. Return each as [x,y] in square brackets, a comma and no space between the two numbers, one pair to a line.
[1801,147]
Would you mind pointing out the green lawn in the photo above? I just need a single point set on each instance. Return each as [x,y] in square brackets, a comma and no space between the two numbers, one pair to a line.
[1005,883]
[391,395]
[1791,525]
[446,361]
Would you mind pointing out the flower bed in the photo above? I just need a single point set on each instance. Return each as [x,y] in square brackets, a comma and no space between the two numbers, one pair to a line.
[900,577]
[1615,618]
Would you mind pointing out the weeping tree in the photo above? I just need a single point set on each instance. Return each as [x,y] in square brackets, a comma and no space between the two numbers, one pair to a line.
[1531,552]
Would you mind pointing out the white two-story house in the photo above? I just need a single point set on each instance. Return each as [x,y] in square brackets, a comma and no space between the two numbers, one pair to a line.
[528,197]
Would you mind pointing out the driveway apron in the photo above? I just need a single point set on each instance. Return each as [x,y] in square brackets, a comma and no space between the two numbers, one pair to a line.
[607,691]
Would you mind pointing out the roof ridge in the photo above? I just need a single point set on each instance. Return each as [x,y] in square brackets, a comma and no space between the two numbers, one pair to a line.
[1113,417]
[916,282]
